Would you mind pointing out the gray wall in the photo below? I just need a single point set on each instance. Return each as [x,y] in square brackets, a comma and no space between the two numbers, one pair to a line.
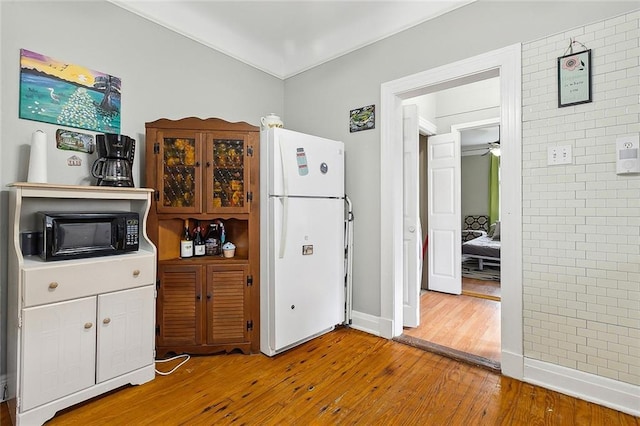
[164,75]
[475,185]
[318,101]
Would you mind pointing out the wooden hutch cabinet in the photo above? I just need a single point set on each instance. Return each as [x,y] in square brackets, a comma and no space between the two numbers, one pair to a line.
[205,170]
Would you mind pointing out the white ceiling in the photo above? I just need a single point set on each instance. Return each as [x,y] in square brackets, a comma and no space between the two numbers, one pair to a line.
[284,38]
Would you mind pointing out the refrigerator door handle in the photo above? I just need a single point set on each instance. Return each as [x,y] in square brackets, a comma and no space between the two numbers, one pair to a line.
[285,177]
[283,227]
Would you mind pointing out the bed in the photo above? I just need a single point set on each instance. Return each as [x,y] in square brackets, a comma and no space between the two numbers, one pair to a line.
[485,249]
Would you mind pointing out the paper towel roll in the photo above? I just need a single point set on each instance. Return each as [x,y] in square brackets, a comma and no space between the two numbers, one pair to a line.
[38,158]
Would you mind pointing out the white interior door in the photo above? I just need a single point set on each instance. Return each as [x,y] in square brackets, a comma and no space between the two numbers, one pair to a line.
[444,252]
[412,230]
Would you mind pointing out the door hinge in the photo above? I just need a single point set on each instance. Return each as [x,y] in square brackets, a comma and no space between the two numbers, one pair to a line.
[249,280]
[157,329]
[19,321]
[156,148]
[250,325]
[250,151]
[158,284]
[156,195]
[249,196]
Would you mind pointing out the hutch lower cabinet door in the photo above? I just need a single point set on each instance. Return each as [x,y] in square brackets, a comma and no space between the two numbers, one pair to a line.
[59,350]
[124,336]
[203,309]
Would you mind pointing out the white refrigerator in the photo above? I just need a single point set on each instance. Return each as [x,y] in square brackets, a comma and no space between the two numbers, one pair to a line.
[302,220]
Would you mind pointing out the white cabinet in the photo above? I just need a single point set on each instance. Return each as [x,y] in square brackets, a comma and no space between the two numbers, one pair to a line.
[59,350]
[82,327]
[124,335]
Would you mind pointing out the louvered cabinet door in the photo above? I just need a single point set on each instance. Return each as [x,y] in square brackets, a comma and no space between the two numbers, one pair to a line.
[179,305]
[227,304]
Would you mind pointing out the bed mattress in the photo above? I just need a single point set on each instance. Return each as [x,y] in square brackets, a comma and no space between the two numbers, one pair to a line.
[482,246]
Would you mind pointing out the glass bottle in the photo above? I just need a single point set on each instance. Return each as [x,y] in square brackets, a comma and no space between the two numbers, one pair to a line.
[186,244]
[212,241]
[198,241]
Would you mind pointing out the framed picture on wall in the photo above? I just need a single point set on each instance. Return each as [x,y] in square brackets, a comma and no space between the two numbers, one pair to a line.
[574,79]
[59,92]
[363,118]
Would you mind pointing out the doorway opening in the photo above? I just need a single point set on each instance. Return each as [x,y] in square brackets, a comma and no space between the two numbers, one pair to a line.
[505,63]
[463,321]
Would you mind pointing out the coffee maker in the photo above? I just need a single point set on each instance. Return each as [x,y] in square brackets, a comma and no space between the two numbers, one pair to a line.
[114,164]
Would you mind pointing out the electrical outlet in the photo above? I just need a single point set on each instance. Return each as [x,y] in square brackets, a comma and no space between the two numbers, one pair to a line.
[559,155]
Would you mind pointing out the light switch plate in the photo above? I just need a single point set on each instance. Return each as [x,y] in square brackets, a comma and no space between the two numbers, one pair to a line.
[559,155]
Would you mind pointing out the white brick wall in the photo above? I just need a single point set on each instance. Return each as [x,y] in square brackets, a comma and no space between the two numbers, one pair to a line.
[581,221]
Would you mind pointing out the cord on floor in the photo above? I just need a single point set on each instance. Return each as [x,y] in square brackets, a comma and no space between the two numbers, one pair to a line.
[162,373]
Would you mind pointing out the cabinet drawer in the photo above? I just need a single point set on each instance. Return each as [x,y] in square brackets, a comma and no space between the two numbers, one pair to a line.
[65,280]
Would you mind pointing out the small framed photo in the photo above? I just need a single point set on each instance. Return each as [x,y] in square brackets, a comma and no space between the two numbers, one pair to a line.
[574,79]
[362,118]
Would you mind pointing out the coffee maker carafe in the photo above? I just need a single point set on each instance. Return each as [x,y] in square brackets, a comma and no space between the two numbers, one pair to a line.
[113,167]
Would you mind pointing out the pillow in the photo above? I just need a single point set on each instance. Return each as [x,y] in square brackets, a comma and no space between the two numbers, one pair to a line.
[496,231]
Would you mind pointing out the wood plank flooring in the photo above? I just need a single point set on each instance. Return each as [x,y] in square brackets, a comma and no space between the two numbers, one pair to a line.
[344,377]
[463,323]
[484,289]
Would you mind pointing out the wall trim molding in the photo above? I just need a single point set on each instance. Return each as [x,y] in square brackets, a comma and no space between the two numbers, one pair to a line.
[368,323]
[512,362]
[426,127]
[599,390]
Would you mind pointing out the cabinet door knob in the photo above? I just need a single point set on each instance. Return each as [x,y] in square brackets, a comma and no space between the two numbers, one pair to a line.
[209,296]
[197,297]
[53,285]
[88,325]
[208,163]
[136,272]
[106,320]
[197,164]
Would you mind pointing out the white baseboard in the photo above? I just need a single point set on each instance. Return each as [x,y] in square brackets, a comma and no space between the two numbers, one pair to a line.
[610,393]
[370,324]
[512,365]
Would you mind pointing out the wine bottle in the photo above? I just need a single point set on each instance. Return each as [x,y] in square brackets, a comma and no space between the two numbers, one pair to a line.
[186,244]
[198,241]
[212,241]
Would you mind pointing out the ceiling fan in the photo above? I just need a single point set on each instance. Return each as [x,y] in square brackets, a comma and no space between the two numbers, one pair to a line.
[493,148]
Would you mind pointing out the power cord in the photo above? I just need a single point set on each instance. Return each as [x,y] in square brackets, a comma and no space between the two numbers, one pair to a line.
[186,357]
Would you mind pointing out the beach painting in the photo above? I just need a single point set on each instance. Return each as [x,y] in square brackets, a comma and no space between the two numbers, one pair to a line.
[56,92]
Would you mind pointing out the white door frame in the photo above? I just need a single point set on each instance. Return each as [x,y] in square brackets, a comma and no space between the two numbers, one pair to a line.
[506,63]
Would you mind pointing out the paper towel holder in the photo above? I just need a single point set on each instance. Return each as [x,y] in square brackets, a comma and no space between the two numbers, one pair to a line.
[38,158]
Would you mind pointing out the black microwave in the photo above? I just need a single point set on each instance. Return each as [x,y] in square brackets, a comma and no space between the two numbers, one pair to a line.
[66,235]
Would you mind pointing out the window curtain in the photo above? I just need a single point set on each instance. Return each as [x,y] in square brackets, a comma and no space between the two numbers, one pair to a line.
[494,189]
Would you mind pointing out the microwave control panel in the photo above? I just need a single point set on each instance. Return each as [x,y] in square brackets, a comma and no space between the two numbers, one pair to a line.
[132,232]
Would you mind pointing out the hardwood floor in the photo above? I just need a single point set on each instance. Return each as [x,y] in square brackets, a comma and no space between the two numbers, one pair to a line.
[483,289]
[463,323]
[344,377]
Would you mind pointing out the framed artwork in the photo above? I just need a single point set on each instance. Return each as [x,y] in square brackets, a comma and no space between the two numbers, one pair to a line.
[56,92]
[362,118]
[74,141]
[574,79]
